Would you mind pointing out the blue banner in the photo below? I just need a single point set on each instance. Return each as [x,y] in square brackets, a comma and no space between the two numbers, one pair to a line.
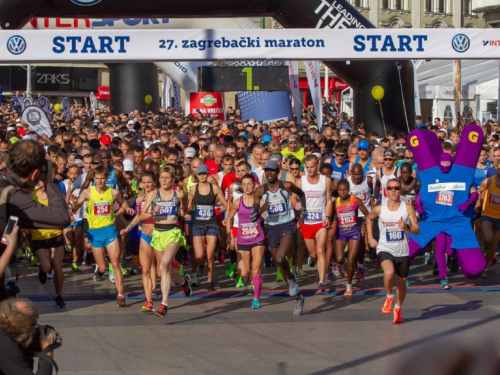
[265,106]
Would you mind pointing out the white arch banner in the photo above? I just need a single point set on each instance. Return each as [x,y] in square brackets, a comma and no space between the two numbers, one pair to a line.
[286,44]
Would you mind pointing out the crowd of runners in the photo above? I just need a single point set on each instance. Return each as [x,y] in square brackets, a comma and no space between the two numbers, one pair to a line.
[174,194]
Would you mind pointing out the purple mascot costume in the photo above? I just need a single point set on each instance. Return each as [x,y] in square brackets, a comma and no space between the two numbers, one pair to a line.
[445,195]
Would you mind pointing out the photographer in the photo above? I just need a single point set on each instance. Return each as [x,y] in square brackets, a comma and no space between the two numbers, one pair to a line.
[9,250]
[18,318]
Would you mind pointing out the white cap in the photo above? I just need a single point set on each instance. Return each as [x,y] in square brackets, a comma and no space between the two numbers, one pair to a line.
[190,152]
[11,129]
[251,123]
[128,165]
[18,121]
[205,123]
[317,154]
[130,122]
[95,122]
[343,133]
[116,135]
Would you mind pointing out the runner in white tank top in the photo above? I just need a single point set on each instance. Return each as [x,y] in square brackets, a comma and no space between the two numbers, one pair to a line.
[395,219]
[386,173]
[318,215]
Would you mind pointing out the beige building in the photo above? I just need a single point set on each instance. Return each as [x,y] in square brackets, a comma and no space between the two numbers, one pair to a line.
[490,10]
[424,13]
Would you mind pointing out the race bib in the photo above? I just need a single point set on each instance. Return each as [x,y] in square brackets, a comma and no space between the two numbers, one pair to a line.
[313,215]
[102,209]
[494,199]
[167,209]
[204,212]
[336,176]
[347,219]
[249,230]
[445,198]
[408,200]
[394,235]
[362,196]
[276,208]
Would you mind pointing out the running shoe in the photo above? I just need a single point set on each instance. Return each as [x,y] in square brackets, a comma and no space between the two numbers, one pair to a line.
[267,260]
[97,276]
[230,270]
[427,258]
[398,317]
[239,282]
[386,309]
[42,276]
[181,271]
[367,258]
[221,256]
[59,302]
[194,280]
[162,311]
[492,261]
[407,282]
[133,271]
[147,307]
[290,263]
[211,287]
[327,277]
[34,261]
[310,261]
[255,304]
[335,270]
[120,301]
[293,287]
[124,271]
[360,274]
[111,272]
[123,262]
[321,290]
[279,276]
[484,275]
[300,274]
[251,290]
[154,295]
[186,288]
[348,290]
[454,265]
[50,276]
[74,267]
[68,248]
[444,283]
[299,306]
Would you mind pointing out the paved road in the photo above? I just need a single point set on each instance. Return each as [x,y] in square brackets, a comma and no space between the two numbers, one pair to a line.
[218,333]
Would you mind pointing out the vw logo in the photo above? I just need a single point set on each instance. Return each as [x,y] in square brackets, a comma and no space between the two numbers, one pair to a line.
[16,45]
[85,3]
[460,43]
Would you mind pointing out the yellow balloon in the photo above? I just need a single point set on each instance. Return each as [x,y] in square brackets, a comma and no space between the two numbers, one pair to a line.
[148,99]
[57,107]
[378,92]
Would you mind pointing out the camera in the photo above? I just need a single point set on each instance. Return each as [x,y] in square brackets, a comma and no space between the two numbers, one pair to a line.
[35,346]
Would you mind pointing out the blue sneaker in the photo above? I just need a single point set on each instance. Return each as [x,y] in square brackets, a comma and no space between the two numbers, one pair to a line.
[299,306]
[255,304]
[407,282]
[310,261]
[293,287]
[444,283]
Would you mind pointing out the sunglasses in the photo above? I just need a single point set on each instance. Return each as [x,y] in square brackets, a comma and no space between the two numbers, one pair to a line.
[295,169]
[410,158]
[388,159]
[394,188]
[339,155]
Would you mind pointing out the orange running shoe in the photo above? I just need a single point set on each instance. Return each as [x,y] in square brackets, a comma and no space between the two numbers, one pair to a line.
[386,309]
[398,317]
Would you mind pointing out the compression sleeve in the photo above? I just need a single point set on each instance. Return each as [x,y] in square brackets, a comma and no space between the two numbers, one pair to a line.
[255,212]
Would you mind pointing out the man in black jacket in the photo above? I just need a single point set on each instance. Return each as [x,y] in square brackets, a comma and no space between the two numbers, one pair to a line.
[18,318]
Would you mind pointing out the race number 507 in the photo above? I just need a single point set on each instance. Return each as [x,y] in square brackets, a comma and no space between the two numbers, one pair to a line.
[166,44]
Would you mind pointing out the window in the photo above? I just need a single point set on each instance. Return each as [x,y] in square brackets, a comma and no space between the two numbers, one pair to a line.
[448,114]
[467,7]
[437,6]
[359,3]
[385,4]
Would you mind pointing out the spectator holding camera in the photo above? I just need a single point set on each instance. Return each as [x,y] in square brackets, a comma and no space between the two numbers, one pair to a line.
[18,329]
[9,250]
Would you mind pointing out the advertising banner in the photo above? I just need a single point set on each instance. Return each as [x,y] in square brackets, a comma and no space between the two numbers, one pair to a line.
[177,96]
[313,78]
[280,44]
[207,103]
[92,103]
[166,97]
[265,106]
[293,79]
[35,117]
[26,102]
[43,103]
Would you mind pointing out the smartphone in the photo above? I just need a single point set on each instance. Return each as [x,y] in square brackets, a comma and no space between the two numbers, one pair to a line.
[11,225]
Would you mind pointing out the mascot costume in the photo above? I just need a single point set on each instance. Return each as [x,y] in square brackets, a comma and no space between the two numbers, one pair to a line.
[445,197]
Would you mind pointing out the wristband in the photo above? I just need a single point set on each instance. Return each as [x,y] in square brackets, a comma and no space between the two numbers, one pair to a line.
[129,227]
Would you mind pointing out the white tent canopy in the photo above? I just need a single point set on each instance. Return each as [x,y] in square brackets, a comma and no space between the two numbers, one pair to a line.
[479,86]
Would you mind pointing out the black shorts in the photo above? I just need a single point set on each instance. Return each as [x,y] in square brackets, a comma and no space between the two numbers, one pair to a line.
[249,247]
[401,264]
[48,243]
[275,233]
[134,248]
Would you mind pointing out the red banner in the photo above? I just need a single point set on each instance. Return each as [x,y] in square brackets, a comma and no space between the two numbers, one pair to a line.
[208,103]
[102,93]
